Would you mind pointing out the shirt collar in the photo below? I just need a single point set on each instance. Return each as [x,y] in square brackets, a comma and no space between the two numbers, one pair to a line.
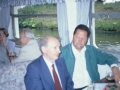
[75,50]
[49,64]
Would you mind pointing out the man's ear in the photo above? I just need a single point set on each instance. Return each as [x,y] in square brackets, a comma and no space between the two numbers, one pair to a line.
[43,49]
[26,39]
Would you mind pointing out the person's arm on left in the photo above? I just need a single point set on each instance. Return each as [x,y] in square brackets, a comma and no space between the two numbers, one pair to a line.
[21,57]
[11,46]
[5,45]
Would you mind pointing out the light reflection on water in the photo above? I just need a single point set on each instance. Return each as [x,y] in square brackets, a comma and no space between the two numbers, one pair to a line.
[108,41]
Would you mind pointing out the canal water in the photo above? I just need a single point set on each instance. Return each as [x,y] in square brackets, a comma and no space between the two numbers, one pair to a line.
[110,41]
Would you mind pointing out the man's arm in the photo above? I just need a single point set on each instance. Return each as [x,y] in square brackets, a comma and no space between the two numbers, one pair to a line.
[112,61]
[116,73]
[21,57]
[32,78]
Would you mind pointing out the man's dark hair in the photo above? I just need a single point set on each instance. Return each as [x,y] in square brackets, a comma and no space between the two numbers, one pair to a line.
[84,28]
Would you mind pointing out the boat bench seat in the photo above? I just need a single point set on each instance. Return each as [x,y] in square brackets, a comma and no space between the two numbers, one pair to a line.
[12,76]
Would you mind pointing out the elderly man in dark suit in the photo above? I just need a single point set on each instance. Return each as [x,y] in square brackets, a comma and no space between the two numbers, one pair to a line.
[49,71]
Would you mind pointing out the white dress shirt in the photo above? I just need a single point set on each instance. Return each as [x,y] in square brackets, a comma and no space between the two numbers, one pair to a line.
[49,64]
[81,77]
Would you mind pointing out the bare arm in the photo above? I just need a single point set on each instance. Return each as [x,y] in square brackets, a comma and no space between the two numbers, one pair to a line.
[13,58]
[116,74]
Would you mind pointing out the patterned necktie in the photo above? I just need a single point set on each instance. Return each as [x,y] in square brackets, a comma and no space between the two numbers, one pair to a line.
[56,80]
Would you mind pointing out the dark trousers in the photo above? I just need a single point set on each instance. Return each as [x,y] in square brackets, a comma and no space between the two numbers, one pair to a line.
[81,88]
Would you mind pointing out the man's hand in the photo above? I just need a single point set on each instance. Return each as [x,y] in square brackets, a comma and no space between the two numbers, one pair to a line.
[13,57]
[116,74]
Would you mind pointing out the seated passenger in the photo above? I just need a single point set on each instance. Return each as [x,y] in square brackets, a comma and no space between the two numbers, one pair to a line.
[4,58]
[9,45]
[48,72]
[30,49]
[82,60]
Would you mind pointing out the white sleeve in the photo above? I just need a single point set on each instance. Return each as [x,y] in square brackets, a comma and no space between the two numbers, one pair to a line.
[22,55]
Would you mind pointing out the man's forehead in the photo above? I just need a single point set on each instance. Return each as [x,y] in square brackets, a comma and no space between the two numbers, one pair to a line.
[54,43]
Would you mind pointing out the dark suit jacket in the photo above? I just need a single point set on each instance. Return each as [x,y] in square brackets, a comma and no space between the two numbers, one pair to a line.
[38,76]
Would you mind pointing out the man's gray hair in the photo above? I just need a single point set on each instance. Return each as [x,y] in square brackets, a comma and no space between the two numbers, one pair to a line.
[28,33]
[43,41]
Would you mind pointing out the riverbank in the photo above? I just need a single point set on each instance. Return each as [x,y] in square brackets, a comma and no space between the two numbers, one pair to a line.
[108,31]
[51,22]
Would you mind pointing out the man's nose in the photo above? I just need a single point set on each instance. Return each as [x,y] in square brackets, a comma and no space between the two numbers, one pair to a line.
[80,40]
[59,51]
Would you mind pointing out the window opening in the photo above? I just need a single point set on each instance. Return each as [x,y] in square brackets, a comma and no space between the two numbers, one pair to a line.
[42,19]
[107,25]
